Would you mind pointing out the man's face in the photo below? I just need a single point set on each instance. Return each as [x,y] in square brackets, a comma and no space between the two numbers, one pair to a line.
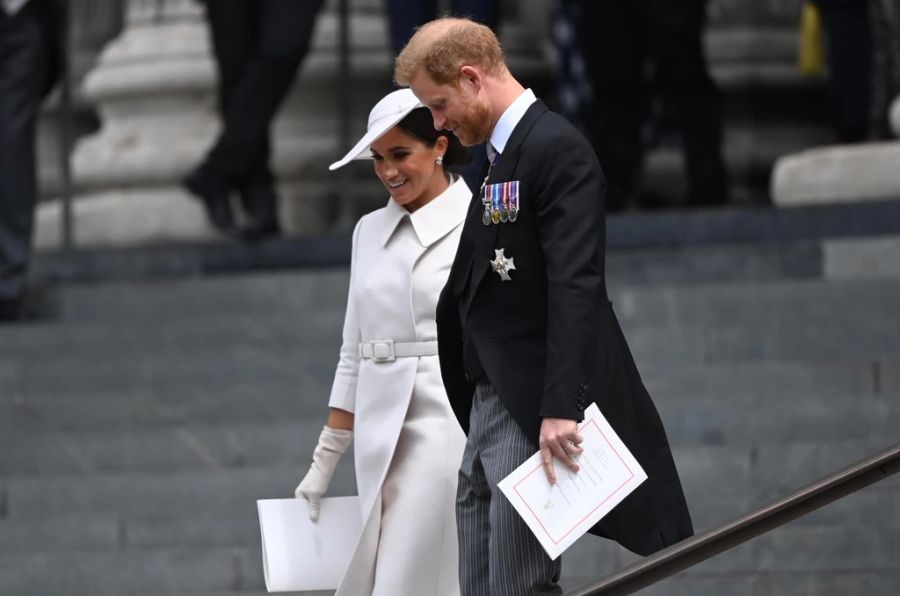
[457,108]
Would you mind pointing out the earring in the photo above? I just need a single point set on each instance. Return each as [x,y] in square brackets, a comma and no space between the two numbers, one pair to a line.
[439,160]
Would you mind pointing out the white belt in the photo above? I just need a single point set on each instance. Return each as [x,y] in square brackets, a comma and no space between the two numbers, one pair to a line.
[387,350]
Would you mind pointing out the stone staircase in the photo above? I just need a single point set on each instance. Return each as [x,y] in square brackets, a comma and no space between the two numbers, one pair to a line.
[139,427]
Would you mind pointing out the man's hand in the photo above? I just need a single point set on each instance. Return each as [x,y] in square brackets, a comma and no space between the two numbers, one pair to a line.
[559,437]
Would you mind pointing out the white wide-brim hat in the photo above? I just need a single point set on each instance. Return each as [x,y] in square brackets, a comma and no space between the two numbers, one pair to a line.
[392,108]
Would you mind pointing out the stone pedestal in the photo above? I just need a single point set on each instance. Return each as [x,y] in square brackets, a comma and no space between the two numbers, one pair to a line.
[840,173]
[152,87]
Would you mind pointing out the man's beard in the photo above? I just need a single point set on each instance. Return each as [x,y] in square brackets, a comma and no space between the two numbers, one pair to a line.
[474,126]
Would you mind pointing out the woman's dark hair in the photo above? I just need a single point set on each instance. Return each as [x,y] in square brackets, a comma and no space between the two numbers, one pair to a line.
[420,125]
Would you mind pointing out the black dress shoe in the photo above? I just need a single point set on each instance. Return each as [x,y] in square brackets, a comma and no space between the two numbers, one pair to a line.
[10,310]
[37,303]
[259,231]
[261,207]
[216,197]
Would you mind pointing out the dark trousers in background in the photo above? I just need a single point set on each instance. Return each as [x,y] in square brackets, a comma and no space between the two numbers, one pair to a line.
[633,48]
[27,46]
[406,15]
[258,46]
[849,53]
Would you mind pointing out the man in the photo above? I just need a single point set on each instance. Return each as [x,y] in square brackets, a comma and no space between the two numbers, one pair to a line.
[29,65]
[637,48]
[258,46]
[527,337]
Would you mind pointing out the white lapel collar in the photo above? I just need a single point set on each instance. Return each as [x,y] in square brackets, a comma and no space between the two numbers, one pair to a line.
[391,216]
[446,211]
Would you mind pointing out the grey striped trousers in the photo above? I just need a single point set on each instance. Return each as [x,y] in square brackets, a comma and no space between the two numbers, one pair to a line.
[498,554]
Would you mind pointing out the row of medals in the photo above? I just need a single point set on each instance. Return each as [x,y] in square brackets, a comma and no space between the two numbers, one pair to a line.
[494,214]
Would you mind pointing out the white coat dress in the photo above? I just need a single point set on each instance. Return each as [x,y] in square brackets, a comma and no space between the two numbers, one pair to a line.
[407,442]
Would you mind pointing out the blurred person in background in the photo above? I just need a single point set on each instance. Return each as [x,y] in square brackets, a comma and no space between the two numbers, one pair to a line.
[30,36]
[406,16]
[387,388]
[635,51]
[863,57]
[849,58]
[258,46]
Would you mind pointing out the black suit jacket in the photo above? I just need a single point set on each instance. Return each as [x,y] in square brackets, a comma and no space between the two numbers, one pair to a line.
[548,340]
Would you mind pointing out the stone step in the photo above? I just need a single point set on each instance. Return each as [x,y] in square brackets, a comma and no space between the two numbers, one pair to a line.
[205,401]
[162,372]
[100,572]
[701,303]
[274,329]
[172,449]
[690,313]
[822,582]
[261,592]
[777,340]
[669,265]
[721,262]
[111,530]
[720,482]
[313,292]
[190,492]
[313,362]
[752,380]
[720,486]
[849,552]
[712,305]
[788,549]
[703,334]
[782,420]
[325,292]
[690,425]
[663,307]
[763,381]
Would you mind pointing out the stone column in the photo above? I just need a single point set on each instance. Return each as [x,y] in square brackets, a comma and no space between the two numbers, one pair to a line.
[153,89]
[92,23]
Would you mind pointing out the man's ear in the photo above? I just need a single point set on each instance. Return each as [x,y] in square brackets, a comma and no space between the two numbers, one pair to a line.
[472,75]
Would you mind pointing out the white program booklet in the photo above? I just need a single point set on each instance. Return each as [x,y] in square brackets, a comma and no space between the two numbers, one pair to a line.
[301,555]
[560,514]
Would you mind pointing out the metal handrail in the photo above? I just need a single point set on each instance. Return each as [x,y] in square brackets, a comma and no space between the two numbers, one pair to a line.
[699,548]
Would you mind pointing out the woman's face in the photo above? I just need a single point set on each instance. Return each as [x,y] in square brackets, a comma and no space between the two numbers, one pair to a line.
[406,166]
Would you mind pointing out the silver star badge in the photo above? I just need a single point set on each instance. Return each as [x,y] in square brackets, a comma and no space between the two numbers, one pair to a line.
[502,265]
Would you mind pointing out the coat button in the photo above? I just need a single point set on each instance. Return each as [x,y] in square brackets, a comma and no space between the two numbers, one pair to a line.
[467,376]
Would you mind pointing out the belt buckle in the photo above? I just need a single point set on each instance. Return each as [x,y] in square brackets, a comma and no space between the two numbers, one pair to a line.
[383,350]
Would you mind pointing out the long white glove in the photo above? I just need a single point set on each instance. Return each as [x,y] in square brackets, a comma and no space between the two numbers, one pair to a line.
[332,444]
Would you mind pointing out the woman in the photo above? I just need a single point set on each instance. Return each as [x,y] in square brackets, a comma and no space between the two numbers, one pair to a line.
[388,386]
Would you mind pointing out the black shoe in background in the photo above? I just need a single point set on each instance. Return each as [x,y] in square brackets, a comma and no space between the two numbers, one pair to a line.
[216,196]
[260,205]
[10,310]
[38,303]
